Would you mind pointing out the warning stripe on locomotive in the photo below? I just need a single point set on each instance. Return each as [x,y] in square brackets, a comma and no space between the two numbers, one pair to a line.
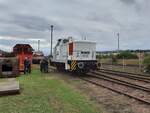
[73,65]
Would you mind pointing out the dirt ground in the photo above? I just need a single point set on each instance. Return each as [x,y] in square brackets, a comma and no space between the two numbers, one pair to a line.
[112,102]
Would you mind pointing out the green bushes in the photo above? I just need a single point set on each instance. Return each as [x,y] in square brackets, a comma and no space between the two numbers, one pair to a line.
[121,55]
[127,55]
[146,63]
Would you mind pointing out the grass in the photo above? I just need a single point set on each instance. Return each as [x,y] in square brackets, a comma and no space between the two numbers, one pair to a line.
[120,61]
[129,61]
[2,80]
[46,94]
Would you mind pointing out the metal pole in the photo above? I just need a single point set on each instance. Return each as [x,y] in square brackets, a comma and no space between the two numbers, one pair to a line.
[101,60]
[38,45]
[139,60]
[118,42]
[51,40]
[123,64]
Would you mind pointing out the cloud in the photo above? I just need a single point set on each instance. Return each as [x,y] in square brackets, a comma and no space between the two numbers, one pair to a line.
[129,2]
[33,22]
[99,20]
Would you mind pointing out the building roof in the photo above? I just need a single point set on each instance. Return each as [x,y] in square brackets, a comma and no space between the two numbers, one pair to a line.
[22,45]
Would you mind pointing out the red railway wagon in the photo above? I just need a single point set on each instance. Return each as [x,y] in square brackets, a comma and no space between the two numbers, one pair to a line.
[22,51]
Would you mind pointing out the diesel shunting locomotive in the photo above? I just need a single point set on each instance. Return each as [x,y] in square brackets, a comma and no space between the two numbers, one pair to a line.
[74,55]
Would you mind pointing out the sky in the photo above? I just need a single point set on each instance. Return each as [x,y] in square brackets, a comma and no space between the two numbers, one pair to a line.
[27,21]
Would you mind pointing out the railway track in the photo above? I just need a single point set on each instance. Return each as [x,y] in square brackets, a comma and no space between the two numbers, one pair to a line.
[118,81]
[90,76]
[117,91]
[143,78]
[120,72]
[94,78]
